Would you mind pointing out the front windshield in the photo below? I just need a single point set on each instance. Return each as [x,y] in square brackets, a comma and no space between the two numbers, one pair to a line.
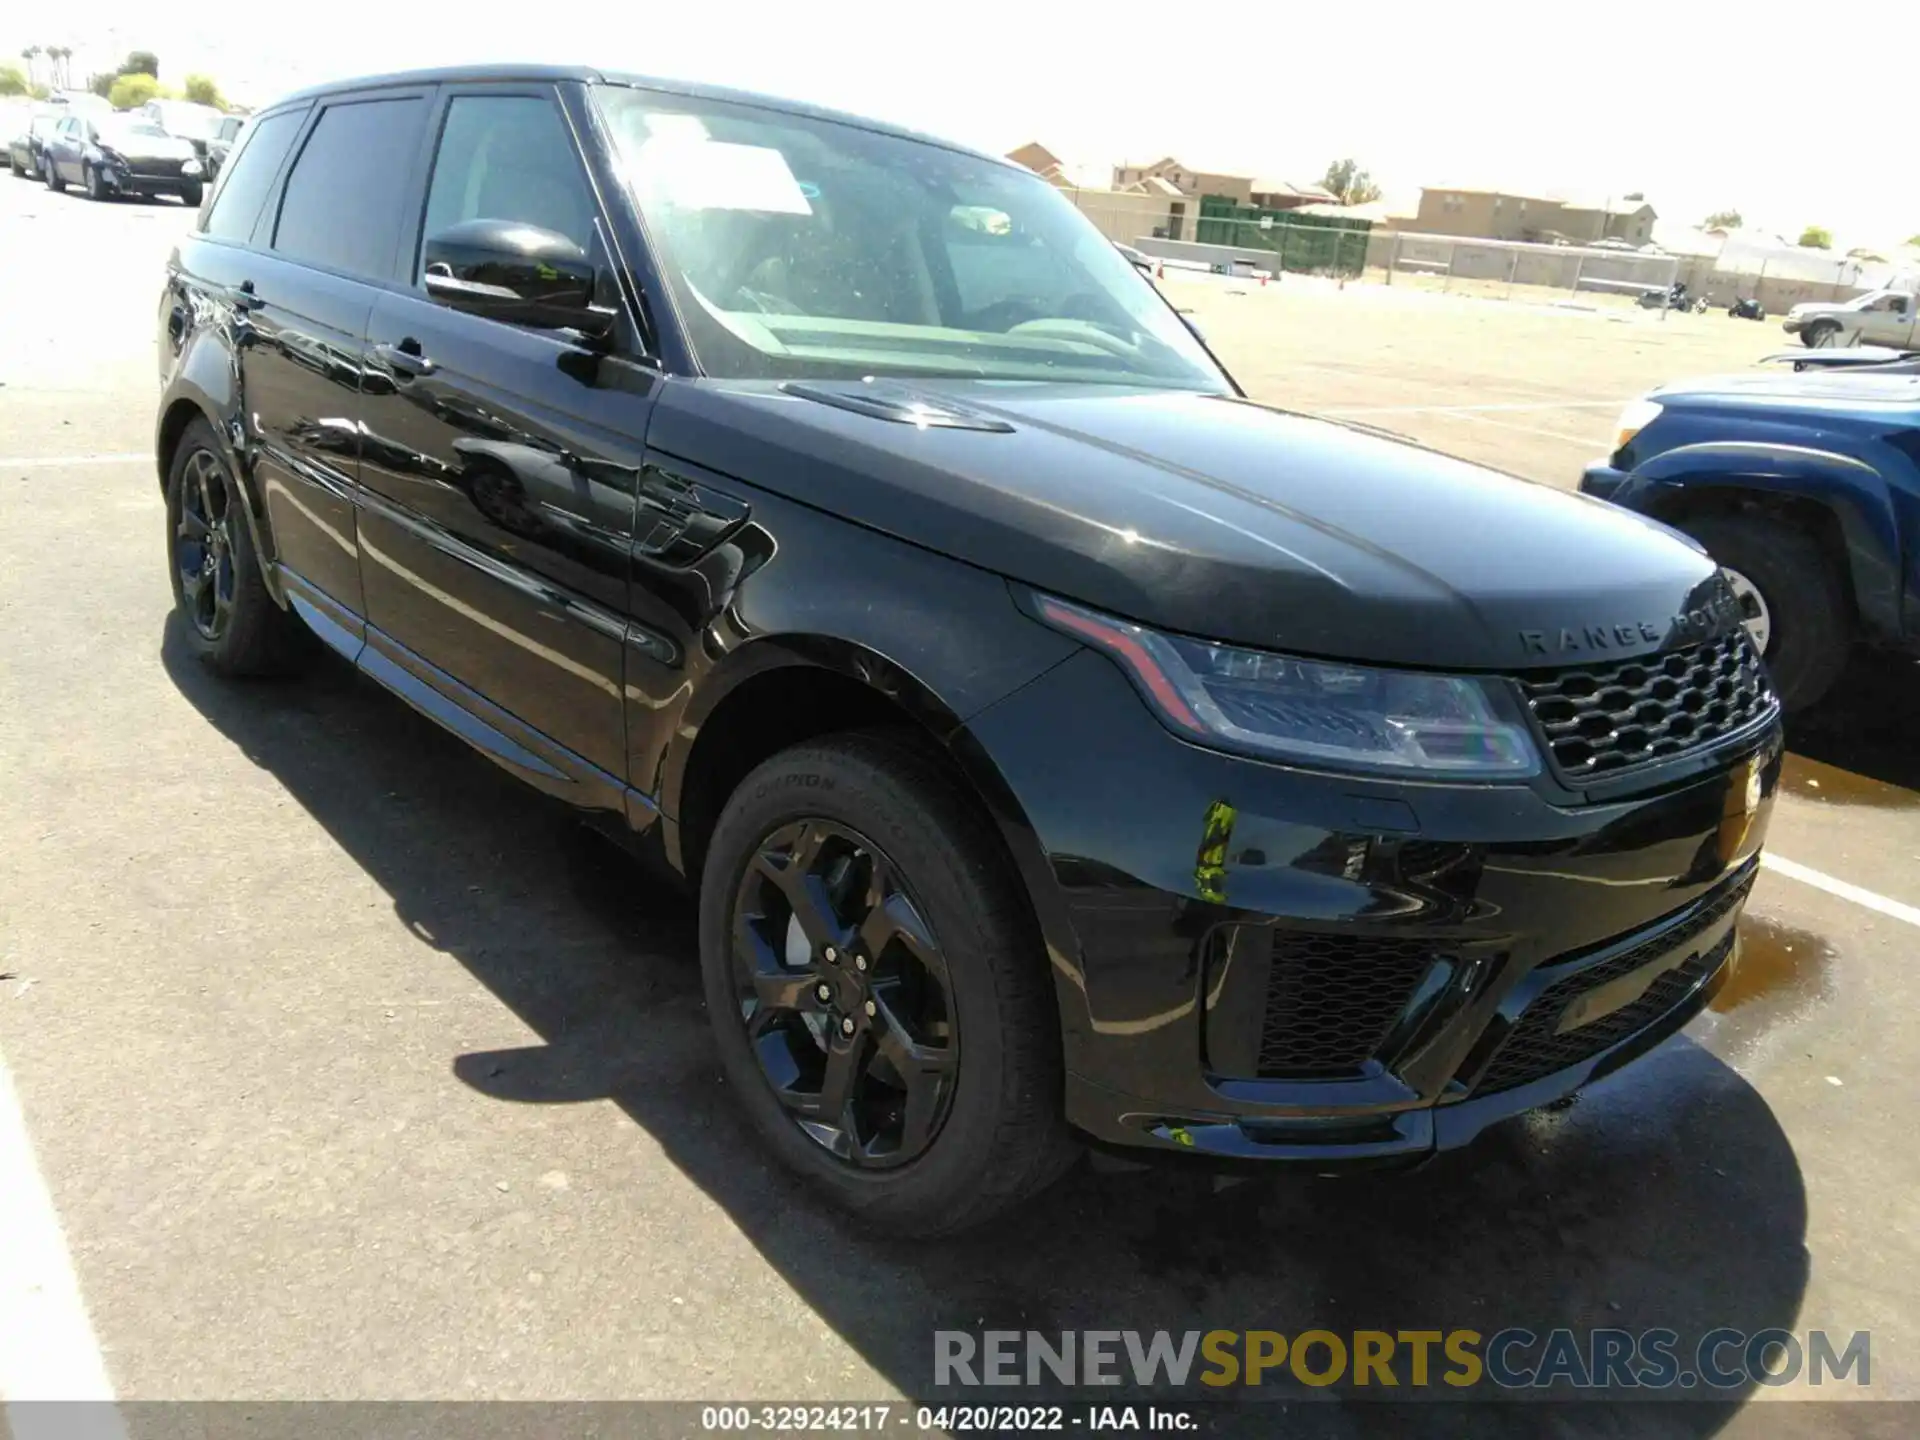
[195,122]
[805,247]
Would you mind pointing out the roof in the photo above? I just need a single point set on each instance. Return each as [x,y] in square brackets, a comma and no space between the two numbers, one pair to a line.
[1035,157]
[591,75]
[1318,194]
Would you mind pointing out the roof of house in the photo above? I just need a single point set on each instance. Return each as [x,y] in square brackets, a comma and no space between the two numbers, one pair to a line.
[1318,194]
[1035,156]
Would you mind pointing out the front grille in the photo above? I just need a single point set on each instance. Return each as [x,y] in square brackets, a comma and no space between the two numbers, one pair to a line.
[1534,1048]
[155,169]
[1611,716]
[1332,999]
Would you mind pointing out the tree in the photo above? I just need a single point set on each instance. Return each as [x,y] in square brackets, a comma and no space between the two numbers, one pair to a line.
[31,54]
[1816,237]
[1349,184]
[13,80]
[141,62]
[130,92]
[202,91]
[1913,241]
[102,84]
[1722,220]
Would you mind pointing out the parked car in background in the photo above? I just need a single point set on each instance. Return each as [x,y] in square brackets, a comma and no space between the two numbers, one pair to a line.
[190,121]
[1805,487]
[1056,741]
[220,144]
[27,147]
[1881,317]
[122,155]
[81,102]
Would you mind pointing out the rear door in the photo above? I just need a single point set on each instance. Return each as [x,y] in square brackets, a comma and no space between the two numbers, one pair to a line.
[64,147]
[500,461]
[322,251]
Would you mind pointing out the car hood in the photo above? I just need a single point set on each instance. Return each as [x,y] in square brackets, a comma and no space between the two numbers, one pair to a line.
[1819,389]
[148,147]
[1215,517]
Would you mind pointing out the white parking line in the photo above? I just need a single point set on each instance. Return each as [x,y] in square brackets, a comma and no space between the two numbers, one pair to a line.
[63,462]
[47,1346]
[1586,442]
[1478,409]
[1806,875]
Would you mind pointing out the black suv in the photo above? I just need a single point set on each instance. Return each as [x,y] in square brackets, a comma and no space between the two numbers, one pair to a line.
[1060,745]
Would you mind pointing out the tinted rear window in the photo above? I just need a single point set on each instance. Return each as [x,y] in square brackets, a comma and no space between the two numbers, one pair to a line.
[245,180]
[343,195]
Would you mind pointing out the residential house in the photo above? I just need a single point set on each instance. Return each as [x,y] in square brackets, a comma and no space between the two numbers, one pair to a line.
[1169,176]
[1042,161]
[1536,218]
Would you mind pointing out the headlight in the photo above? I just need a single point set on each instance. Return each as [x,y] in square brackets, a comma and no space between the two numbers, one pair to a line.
[1636,417]
[189,167]
[1314,712]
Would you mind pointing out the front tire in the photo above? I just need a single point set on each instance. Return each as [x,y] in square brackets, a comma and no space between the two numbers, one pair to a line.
[191,195]
[230,621]
[879,995]
[1809,624]
[1821,335]
[54,182]
[96,189]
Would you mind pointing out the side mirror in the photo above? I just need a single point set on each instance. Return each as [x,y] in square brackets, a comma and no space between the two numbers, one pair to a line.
[518,274]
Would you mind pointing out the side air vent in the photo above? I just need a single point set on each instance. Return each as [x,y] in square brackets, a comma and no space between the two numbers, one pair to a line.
[900,405]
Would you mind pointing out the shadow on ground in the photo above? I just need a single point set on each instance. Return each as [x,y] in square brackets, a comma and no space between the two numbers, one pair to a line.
[1667,1197]
[1865,726]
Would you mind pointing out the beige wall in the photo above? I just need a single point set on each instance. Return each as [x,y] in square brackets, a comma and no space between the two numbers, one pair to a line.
[1128,218]
[1521,217]
[1491,217]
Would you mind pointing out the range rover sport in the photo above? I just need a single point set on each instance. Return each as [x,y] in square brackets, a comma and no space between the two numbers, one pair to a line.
[1061,746]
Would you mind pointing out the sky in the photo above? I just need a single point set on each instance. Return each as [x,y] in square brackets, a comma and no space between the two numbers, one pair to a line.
[1698,104]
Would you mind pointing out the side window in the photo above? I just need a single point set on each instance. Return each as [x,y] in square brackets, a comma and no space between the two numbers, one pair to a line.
[508,157]
[248,174]
[343,196]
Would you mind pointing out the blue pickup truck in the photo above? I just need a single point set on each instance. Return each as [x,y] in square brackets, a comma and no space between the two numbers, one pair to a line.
[1805,486]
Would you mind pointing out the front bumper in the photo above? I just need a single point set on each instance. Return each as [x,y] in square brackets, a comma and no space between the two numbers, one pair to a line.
[1260,964]
[1792,325]
[123,180]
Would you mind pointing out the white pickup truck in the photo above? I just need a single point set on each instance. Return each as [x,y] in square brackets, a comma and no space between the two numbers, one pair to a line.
[1880,317]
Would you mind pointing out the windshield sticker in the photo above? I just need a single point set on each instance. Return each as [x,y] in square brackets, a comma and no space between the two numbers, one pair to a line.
[718,175]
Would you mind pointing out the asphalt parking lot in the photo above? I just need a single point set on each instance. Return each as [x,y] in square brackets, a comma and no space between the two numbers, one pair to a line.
[353,1071]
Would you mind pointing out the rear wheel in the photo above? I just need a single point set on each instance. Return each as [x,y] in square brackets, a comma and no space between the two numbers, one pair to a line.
[881,1003]
[1792,599]
[231,623]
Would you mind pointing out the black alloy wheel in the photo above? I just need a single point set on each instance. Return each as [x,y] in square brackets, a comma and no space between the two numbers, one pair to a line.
[845,994]
[203,553]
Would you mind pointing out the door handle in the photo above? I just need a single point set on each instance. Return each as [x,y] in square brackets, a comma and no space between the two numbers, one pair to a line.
[404,359]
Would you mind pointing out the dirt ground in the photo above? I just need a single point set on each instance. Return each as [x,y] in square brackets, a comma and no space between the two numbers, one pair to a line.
[1531,389]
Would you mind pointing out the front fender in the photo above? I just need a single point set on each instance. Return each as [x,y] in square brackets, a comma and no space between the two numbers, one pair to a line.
[203,380]
[1667,485]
